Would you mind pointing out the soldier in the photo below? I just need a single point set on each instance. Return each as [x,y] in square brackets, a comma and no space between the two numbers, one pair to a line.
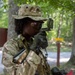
[28,23]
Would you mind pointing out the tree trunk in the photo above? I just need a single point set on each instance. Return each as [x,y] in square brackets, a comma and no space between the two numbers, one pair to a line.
[72,59]
[12,10]
[60,24]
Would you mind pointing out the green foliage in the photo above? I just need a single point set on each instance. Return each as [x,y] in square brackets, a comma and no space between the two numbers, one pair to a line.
[51,34]
[67,33]
[4,21]
[1,12]
[51,4]
[61,11]
[5,4]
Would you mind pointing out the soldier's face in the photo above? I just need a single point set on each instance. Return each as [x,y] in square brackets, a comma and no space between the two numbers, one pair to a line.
[33,28]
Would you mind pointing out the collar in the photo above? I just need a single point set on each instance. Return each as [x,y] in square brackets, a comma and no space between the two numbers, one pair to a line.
[24,41]
[21,37]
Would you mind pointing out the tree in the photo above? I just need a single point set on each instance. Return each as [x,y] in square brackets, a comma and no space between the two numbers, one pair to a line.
[73,48]
[13,8]
[71,63]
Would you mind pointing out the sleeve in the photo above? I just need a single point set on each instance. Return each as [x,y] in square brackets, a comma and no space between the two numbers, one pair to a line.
[29,66]
[9,50]
[33,60]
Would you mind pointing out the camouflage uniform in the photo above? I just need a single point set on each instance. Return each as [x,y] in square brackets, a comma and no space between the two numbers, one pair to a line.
[32,63]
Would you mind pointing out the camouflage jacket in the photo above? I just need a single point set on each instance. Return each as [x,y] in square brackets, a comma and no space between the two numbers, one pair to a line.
[33,64]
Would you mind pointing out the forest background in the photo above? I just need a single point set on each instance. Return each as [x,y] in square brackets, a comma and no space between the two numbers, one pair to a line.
[61,11]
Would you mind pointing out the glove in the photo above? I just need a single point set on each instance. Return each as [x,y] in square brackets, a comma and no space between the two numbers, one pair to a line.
[40,41]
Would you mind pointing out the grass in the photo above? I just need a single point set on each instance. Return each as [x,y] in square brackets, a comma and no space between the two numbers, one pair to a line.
[53,48]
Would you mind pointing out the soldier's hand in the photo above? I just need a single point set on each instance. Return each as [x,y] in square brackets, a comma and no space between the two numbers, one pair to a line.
[40,41]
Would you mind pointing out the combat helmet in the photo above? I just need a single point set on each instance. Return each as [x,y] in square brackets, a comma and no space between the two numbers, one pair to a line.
[29,11]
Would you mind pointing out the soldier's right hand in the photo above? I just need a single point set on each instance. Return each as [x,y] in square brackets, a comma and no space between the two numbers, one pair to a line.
[40,41]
